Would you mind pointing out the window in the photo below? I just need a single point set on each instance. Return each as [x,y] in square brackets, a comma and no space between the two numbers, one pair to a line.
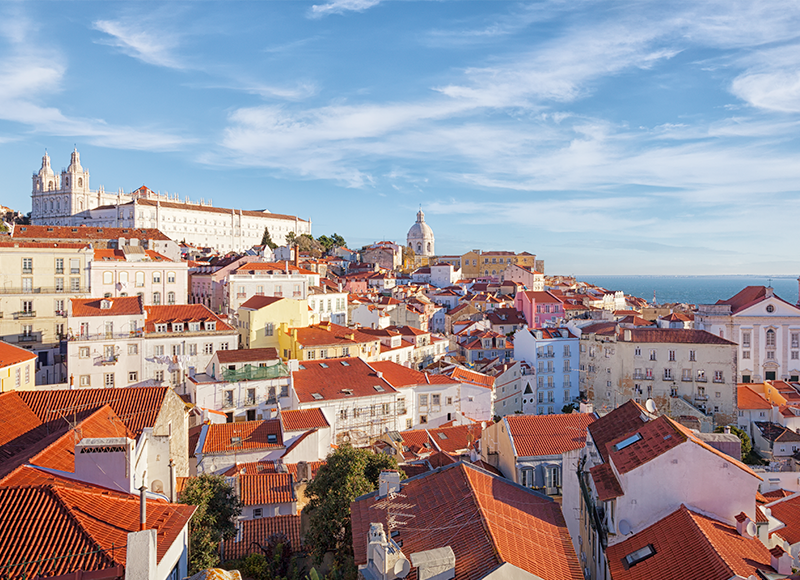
[795,336]
[269,329]
[423,400]
[652,354]
[108,380]
[770,338]
[83,352]
[640,555]
[177,327]
[627,442]
[701,375]
[746,339]
[86,381]
[27,265]
[637,351]
[686,375]
[156,297]
[159,350]
[648,373]
[176,349]
[176,377]
[672,356]
[223,346]
[133,376]
[692,356]
[667,374]
[170,277]
[170,297]
[156,277]
[423,419]
[227,399]
[161,327]
[718,377]
[192,350]
[795,355]
[75,284]
[566,366]
[74,266]
[745,354]
[436,400]
[27,285]
[194,327]
[133,349]
[59,265]
[211,325]
[770,355]
[258,513]
[139,279]
[323,353]
[59,284]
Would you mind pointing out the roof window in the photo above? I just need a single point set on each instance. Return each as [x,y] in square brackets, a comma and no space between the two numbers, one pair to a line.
[442,436]
[347,392]
[345,363]
[236,440]
[105,304]
[317,396]
[301,367]
[272,438]
[379,388]
[627,442]
[323,365]
[639,555]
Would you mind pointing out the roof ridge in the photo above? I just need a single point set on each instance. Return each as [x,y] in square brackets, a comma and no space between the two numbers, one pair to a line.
[479,508]
[691,515]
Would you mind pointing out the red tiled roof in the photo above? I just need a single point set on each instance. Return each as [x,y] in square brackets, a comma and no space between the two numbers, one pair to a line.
[272,467]
[115,255]
[676,335]
[657,437]
[689,546]
[635,321]
[605,482]
[258,530]
[787,510]
[270,267]
[466,376]
[120,306]
[539,435]
[746,298]
[258,302]
[457,439]
[332,379]
[328,333]
[246,355]
[485,519]
[399,376]
[137,407]
[544,297]
[45,522]
[776,494]
[747,398]
[624,419]
[30,475]
[12,355]
[63,246]
[251,434]
[181,313]
[303,419]
[266,488]
[86,233]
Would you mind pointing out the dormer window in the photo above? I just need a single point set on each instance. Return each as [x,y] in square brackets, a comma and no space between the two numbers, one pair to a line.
[161,327]
[211,325]
[347,392]
[272,438]
[105,305]
[177,327]
[194,326]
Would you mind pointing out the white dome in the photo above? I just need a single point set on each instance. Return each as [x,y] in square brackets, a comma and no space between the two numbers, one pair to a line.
[420,237]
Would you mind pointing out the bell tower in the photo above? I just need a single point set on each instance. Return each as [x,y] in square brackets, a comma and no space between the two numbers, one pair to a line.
[75,184]
[46,185]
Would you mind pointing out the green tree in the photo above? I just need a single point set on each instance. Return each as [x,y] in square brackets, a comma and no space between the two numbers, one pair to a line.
[214,520]
[747,444]
[307,243]
[348,473]
[291,239]
[567,409]
[266,240]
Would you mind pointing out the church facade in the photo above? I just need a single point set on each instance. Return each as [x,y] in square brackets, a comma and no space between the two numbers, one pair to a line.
[67,200]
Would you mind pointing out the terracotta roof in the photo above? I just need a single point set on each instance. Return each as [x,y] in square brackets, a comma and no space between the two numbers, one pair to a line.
[62,246]
[337,379]
[232,437]
[327,333]
[48,521]
[605,482]
[120,306]
[246,355]
[399,376]
[635,321]
[689,546]
[272,467]
[539,435]
[544,297]
[776,494]
[12,355]
[273,267]
[747,297]
[303,419]
[656,437]
[137,407]
[208,208]
[485,519]
[182,313]
[787,510]
[258,530]
[747,398]
[266,488]
[86,233]
[676,335]
[115,255]
[776,433]
[457,439]
[31,475]
[624,419]
[466,376]
[258,302]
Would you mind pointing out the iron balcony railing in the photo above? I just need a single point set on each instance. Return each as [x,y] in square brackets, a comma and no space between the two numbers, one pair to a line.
[251,373]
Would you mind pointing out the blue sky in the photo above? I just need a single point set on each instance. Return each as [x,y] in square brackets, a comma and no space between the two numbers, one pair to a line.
[606,137]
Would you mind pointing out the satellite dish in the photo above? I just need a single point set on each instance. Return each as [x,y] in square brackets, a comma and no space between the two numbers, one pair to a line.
[401,568]
[751,529]
[624,527]
[650,405]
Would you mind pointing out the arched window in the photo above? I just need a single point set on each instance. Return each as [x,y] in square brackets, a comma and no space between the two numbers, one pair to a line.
[171,277]
[156,277]
[49,186]
[123,277]
[419,248]
[108,278]
[80,204]
[156,297]
[66,181]
[771,338]
[139,279]
[80,182]
[170,297]
[58,205]
[429,247]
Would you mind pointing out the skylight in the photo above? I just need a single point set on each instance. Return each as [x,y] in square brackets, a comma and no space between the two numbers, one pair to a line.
[323,365]
[639,555]
[272,438]
[345,363]
[236,440]
[316,396]
[442,436]
[629,441]
[379,388]
[301,367]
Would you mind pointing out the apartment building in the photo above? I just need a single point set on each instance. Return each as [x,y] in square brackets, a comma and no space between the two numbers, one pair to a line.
[553,356]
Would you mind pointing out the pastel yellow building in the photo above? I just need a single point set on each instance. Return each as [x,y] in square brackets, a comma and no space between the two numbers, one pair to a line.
[17,368]
[327,340]
[477,263]
[261,317]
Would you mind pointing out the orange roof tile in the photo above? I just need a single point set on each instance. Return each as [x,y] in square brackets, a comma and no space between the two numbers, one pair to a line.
[272,467]
[12,355]
[246,355]
[689,546]
[539,435]
[258,302]
[485,519]
[747,398]
[337,379]
[747,297]
[458,439]
[231,437]
[303,419]
[474,378]
[605,482]
[270,267]
[676,335]
[86,233]
[624,419]
[787,510]
[266,488]
[120,306]
[255,531]
[61,245]
[182,313]
[326,333]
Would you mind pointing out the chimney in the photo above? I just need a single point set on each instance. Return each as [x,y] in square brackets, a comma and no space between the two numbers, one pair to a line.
[297,256]
[380,374]
[388,482]
[385,561]
[142,507]
[780,560]
[745,526]
[439,563]
[727,429]
[172,481]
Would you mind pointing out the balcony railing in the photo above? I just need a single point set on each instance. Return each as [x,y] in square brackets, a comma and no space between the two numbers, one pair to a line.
[701,379]
[251,373]
[106,335]
[107,361]
[27,338]
[41,290]
[25,314]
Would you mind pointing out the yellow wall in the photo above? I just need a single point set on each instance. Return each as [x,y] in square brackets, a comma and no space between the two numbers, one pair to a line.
[253,323]
[288,348]
[8,376]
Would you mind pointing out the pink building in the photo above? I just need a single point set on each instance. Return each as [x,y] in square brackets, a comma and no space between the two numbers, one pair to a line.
[538,307]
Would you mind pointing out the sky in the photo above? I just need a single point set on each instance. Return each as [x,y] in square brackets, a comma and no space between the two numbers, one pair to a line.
[604,137]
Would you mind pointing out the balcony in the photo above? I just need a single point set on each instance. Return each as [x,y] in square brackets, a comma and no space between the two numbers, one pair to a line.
[701,379]
[547,355]
[701,397]
[41,290]
[107,361]
[25,314]
[27,338]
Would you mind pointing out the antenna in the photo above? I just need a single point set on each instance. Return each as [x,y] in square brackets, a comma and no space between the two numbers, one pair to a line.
[391,514]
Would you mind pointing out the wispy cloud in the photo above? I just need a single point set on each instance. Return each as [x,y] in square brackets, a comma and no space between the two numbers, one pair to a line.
[143,43]
[340,7]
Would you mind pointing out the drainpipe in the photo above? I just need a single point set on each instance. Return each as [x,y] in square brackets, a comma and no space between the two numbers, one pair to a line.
[172,481]
[142,508]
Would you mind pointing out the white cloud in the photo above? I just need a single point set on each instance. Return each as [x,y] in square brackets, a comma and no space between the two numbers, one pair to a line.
[340,7]
[142,42]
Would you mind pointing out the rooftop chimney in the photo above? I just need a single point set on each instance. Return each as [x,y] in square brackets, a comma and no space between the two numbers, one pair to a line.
[388,482]
[142,508]
[780,560]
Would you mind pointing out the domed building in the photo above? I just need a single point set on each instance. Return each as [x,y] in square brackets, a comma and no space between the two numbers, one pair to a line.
[420,237]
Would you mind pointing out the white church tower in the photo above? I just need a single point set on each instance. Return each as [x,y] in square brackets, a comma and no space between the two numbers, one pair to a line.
[420,237]
[55,199]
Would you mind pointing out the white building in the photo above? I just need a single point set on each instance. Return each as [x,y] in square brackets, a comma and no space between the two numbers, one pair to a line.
[766,329]
[68,201]
[266,279]
[554,355]
[420,237]
[134,271]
